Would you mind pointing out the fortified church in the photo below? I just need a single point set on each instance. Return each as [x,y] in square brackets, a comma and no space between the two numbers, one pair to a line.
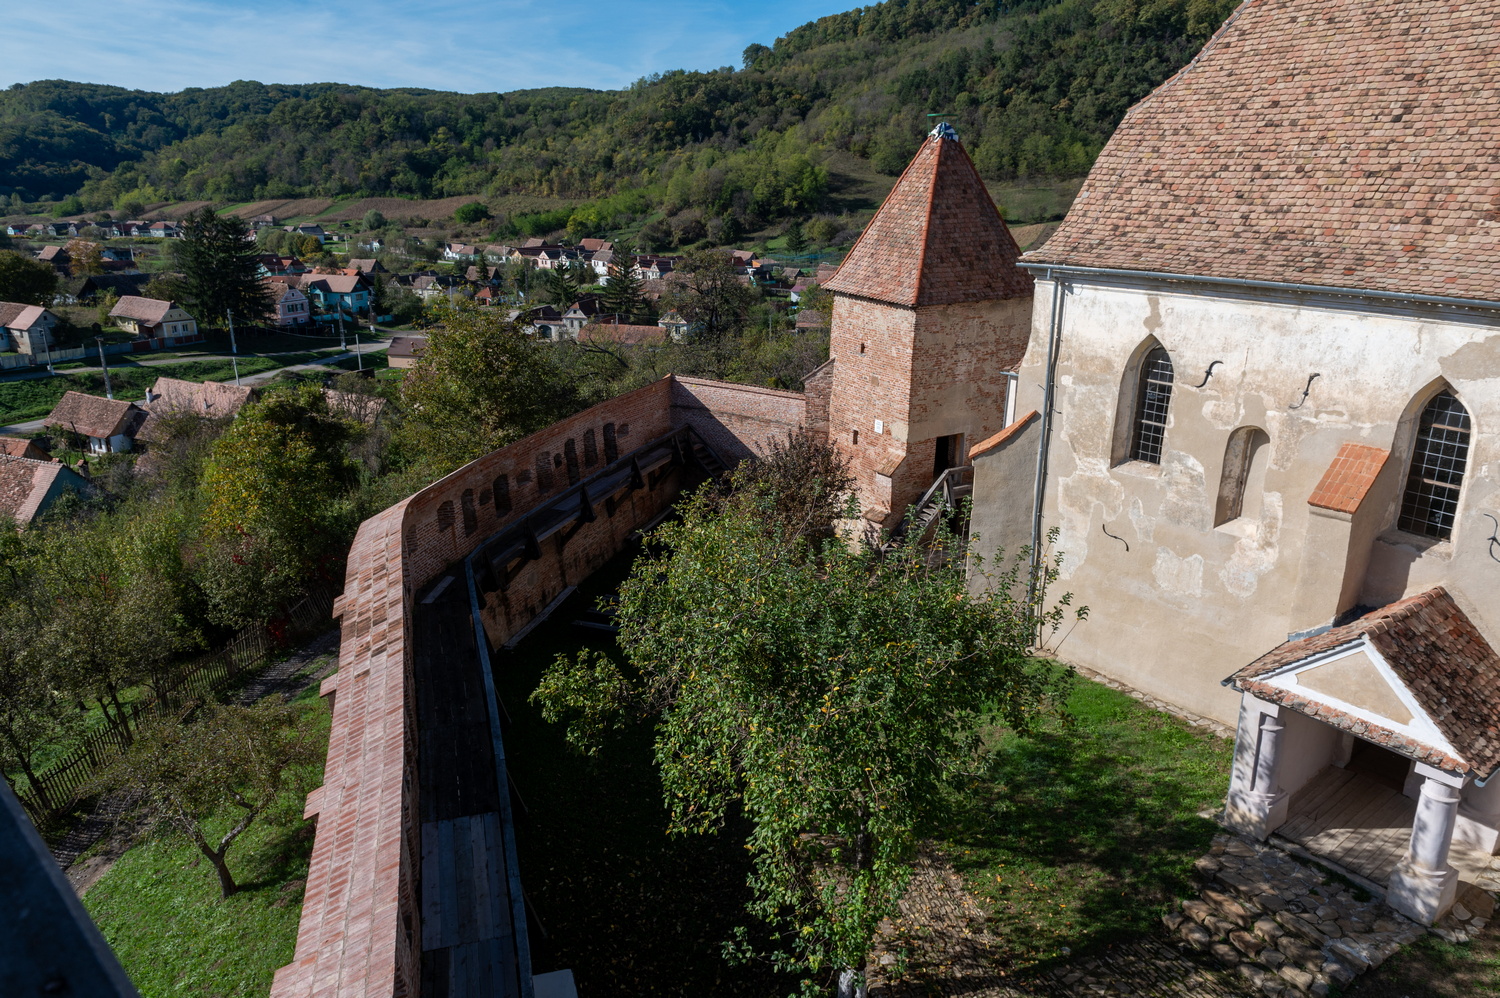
[1249,389]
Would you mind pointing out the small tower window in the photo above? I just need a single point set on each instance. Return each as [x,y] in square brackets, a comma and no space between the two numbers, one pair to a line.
[1430,503]
[1151,407]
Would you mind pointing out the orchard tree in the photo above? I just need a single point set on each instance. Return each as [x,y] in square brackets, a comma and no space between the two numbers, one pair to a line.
[481,383]
[705,289]
[85,258]
[220,273]
[275,510]
[25,280]
[826,692]
[468,214]
[247,762]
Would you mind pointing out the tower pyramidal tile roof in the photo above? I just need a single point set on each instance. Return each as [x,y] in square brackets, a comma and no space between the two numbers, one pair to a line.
[938,238]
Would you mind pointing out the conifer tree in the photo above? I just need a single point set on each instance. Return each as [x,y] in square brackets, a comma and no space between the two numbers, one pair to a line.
[622,294]
[219,269]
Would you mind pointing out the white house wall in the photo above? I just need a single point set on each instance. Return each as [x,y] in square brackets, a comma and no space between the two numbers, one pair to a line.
[1177,604]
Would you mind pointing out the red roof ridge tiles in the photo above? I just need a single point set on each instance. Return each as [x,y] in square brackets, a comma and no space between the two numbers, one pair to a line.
[1348,478]
[938,238]
[1438,655]
[1317,142]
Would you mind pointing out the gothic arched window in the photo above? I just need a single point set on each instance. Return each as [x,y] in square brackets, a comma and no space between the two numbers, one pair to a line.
[1152,402]
[1430,504]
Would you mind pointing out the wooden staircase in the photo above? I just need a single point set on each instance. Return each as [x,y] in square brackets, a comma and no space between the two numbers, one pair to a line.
[945,497]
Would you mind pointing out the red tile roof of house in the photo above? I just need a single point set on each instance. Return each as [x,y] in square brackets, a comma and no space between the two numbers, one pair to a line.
[1336,142]
[1438,655]
[208,398]
[21,447]
[93,416]
[24,484]
[19,315]
[150,310]
[1348,479]
[938,238]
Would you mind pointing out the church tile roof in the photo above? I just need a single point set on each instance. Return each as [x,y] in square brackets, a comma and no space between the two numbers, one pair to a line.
[938,238]
[1348,143]
[1439,656]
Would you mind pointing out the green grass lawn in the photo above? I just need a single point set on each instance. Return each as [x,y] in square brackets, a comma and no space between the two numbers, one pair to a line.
[160,910]
[1086,832]
[35,398]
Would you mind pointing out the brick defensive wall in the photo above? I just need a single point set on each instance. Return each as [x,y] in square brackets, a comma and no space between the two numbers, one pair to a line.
[570,496]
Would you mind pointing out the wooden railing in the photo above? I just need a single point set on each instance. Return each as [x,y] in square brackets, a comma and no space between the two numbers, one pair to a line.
[61,785]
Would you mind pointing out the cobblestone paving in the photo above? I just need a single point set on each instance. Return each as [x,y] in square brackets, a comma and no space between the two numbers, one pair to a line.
[947,950]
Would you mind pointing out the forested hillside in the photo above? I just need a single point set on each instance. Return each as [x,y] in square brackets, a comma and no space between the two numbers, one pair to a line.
[1034,87]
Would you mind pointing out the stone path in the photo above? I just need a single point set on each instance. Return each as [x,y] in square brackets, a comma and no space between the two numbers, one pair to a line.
[1285,925]
[939,945]
[111,815]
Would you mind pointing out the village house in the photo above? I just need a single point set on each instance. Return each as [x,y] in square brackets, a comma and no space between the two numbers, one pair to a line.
[580,313]
[163,230]
[29,486]
[292,306]
[338,293]
[163,323]
[57,257]
[309,229]
[620,334]
[459,251]
[403,352]
[106,425]
[366,267]
[26,328]
[21,447]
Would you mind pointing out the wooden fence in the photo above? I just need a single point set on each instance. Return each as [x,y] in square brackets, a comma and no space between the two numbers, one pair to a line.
[68,779]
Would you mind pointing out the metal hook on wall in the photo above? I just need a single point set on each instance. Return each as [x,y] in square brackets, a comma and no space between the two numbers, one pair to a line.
[1494,536]
[1116,537]
[1208,373]
[1308,388]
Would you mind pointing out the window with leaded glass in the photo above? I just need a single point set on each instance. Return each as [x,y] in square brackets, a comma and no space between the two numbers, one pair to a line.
[1152,402]
[1430,503]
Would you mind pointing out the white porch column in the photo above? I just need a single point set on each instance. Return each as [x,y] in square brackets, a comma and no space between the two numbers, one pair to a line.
[1257,804]
[1423,884]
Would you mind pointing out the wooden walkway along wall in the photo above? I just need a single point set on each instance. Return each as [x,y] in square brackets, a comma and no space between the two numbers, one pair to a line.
[62,783]
[469,945]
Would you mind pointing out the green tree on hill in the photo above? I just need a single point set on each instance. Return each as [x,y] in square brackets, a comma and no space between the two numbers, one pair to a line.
[470,213]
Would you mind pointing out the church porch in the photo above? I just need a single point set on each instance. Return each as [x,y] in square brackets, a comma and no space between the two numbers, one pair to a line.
[1372,745]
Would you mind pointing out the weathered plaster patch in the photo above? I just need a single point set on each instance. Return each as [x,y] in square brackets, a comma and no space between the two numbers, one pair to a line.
[1181,576]
[1255,555]
[1186,501]
[1152,322]
[1145,526]
[1471,362]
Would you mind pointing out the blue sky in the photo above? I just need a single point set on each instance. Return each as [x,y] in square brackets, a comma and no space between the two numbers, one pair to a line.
[474,45]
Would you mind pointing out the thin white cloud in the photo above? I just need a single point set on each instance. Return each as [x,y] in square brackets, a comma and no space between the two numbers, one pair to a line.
[444,45]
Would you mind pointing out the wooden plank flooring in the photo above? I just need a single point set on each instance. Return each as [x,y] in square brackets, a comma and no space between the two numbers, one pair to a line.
[468,941]
[1362,825]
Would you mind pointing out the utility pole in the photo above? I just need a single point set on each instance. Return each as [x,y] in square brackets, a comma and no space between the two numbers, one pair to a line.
[359,358]
[109,392]
[234,349]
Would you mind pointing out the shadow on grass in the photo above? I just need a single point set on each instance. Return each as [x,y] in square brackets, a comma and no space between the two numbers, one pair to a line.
[628,909]
[1083,834]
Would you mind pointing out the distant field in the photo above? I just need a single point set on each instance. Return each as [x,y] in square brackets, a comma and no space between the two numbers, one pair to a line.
[329,210]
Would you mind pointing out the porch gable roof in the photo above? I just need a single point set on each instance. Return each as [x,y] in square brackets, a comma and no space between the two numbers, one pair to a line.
[1431,655]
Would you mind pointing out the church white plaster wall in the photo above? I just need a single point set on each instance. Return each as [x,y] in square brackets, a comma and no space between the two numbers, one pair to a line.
[1177,603]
